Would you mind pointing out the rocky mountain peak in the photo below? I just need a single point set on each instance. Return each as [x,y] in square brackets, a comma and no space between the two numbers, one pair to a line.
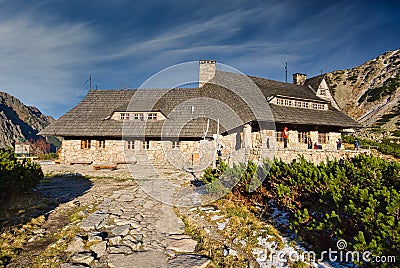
[18,121]
[370,92]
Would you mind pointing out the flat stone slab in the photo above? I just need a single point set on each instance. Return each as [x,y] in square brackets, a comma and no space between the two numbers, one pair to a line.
[121,230]
[181,245]
[126,198]
[167,222]
[94,221]
[85,258]
[100,249]
[120,250]
[189,261]
[94,237]
[115,240]
[121,221]
[76,246]
[142,259]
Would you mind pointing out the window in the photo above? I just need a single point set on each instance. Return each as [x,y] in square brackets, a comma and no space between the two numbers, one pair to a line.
[130,144]
[301,104]
[323,138]
[175,144]
[85,144]
[322,92]
[101,144]
[139,116]
[279,101]
[152,116]
[318,106]
[278,135]
[146,145]
[287,103]
[124,116]
[303,136]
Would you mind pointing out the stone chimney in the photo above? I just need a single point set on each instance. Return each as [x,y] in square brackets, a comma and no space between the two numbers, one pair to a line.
[207,71]
[299,79]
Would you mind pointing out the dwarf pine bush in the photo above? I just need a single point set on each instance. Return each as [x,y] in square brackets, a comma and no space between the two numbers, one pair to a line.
[17,177]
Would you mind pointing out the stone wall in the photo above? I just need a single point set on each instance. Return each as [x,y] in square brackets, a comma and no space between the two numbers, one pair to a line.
[113,152]
[200,154]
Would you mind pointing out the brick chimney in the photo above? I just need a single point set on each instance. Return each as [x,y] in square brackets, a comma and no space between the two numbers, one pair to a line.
[207,71]
[299,79]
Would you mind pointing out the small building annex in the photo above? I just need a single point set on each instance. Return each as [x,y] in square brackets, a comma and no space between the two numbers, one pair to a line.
[237,114]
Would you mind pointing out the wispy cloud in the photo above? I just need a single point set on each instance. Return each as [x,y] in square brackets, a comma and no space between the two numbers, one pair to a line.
[205,30]
[39,60]
[49,48]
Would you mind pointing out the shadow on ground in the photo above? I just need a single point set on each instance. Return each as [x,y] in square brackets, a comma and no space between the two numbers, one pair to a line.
[49,194]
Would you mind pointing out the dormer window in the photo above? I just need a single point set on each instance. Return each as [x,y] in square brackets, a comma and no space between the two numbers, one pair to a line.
[138,116]
[318,106]
[124,116]
[301,104]
[287,103]
[152,116]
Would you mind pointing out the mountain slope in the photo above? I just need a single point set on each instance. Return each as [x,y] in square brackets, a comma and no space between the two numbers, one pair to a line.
[18,121]
[370,93]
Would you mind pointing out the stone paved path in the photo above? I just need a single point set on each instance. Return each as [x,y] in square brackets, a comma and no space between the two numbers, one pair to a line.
[130,228]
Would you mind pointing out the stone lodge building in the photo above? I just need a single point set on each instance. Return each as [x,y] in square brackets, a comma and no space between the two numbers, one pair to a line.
[241,115]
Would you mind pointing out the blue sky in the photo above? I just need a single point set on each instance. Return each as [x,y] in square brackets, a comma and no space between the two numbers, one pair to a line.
[48,49]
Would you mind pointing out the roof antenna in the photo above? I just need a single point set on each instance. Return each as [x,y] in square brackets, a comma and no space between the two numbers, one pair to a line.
[90,82]
[286,71]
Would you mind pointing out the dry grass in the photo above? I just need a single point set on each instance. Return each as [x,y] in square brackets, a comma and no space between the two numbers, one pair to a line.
[241,233]
[14,239]
[54,255]
[212,247]
[21,236]
[244,225]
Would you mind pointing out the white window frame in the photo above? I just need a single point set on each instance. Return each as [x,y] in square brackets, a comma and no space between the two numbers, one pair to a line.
[175,144]
[152,116]
[130,144]
[278,136]
[101,144]
[146,145]
[124,116]
[138,116]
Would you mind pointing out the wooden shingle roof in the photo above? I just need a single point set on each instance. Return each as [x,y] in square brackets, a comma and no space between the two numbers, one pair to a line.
[274,88]
[229,97]
[315,81]
[89,117]
[293,115]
